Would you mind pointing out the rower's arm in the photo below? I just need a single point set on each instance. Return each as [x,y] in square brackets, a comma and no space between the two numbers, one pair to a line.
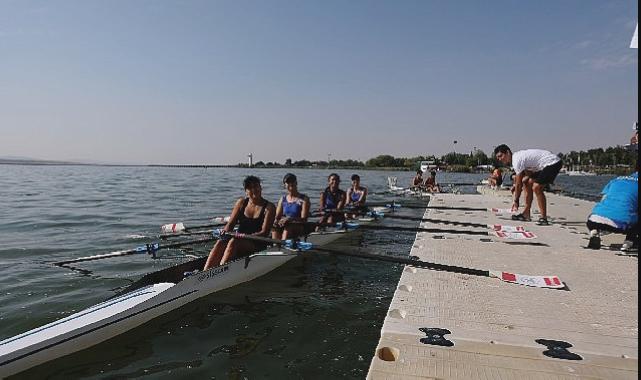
[518,187]
[349,193]
[268,222]
[304,213]
[279,209]
[233,218]
[341,203]
[363,197]
[322,203]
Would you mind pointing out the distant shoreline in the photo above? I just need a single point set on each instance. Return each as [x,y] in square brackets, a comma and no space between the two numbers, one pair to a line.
[452,169]
[204,166]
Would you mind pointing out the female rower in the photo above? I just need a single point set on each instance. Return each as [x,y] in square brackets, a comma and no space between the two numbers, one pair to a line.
[292,211]
[357,194]
[431,185]
[417,182]
[254,216]
[496,178]
[332,201]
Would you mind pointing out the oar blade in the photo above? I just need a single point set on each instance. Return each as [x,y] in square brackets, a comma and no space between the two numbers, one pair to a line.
[502,211]
[515,235]
[178,228]
[551,282]
[172,228]
[500,227]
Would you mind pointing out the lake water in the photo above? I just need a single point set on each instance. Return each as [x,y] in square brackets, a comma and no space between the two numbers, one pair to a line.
[317,317]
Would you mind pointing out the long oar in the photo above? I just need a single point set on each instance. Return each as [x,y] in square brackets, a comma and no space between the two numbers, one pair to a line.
[398,205]
[517,235]
[149,249]
[178,227]
[459,183]
[495,227]
[552,282]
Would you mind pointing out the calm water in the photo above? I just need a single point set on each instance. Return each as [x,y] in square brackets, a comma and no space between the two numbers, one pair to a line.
[317,317]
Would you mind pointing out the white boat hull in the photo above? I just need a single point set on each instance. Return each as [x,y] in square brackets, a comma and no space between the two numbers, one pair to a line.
[136,307]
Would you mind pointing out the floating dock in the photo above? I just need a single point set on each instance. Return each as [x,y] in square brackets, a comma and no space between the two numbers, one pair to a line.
[444,325]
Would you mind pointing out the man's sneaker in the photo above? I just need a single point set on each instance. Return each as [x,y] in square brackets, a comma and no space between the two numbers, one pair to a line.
[595,240]
[628,246]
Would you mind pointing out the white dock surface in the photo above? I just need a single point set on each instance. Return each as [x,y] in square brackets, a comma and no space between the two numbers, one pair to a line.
[494,325]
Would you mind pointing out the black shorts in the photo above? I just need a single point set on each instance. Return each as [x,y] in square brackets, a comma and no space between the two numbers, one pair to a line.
[548,174]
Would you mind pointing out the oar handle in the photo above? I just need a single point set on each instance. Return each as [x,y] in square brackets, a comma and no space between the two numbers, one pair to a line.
[289,243]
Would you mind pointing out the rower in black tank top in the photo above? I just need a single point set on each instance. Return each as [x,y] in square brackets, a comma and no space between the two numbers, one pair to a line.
[247,225]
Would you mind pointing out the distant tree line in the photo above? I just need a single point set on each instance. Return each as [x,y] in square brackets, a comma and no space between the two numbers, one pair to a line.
[594,158]
[599,157]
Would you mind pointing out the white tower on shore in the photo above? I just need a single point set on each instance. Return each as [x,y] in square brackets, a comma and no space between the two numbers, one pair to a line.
[251,158]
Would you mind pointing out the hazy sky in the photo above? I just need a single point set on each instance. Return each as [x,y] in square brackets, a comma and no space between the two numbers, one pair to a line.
[210,81]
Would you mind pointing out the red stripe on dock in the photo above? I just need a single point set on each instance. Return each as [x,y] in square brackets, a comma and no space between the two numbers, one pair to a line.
[547,281]
[508,276]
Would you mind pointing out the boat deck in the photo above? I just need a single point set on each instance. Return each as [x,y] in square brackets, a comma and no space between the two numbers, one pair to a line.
[494,326]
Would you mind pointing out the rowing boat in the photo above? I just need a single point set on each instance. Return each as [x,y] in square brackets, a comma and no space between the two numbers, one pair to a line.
[404,191]
[153,295]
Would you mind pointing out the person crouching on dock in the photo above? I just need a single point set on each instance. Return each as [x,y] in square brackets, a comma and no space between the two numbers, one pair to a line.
[617,212]
[254,216]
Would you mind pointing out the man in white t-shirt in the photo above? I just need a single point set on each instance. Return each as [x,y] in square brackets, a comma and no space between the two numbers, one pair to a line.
[534,169]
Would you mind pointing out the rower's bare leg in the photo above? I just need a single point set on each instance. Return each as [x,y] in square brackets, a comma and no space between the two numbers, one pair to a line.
[285,234]
[236,248]
[322,222]
[215,255]
[293,231]
[229,251]
[278,234]
[541,201]
[529,196]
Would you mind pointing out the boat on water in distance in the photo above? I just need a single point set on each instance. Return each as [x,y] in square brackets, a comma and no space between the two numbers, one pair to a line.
[579,173]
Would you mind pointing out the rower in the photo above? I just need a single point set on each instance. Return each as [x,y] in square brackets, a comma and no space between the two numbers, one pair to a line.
[292,211]
[332,202]
[254,216]
[431,185]
[417,182]
[356,195]
[495,180]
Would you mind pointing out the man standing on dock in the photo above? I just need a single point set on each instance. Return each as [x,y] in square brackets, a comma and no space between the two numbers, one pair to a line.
[534,169]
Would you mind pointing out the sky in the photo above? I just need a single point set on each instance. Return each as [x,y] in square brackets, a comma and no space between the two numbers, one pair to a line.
[208,82]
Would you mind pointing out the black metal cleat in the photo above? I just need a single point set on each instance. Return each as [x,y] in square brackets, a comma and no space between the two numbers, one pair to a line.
[558,349]
[435,337]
